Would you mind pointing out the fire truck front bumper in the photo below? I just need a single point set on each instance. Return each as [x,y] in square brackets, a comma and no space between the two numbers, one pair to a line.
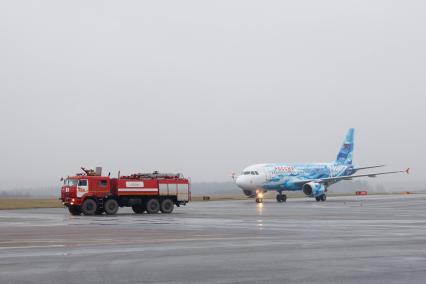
[71,201]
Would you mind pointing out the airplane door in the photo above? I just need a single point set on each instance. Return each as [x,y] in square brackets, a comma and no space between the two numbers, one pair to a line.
[268,176]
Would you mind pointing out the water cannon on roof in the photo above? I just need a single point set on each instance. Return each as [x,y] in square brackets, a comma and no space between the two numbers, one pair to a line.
[91,172]
[153,175]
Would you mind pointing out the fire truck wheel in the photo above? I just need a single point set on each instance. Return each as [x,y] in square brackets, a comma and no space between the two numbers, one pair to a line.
[167,206]
[89,207]
[138,209]
[75,210]
[111,207]
[153,206]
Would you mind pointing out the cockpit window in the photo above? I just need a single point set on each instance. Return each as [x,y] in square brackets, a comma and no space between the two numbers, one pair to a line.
[71,182]
[253,173]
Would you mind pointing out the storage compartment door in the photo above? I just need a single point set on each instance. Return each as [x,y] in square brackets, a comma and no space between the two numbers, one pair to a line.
[183,192]
[164,189]
[172,189]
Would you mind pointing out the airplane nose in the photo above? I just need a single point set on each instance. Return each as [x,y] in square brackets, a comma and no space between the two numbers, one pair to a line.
[240,182]
[243,183]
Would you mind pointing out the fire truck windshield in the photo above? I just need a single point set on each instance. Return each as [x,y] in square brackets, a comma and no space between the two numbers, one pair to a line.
[71,182]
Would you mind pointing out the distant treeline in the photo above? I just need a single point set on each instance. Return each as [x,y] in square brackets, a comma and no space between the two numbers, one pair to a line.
[47,192]
[229,188]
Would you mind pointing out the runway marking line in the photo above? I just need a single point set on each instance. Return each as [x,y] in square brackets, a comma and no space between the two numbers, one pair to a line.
[29,247]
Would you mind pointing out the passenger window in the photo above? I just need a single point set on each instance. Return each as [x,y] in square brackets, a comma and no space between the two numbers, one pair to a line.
[253,173]
[82,182]
[102,183]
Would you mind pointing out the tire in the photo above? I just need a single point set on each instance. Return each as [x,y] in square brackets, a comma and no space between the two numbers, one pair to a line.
[75,210]
[111,207]
[152,206]
[89,207]
[167,206]
[281,198]
[323,197]
[138,209]
[318,198]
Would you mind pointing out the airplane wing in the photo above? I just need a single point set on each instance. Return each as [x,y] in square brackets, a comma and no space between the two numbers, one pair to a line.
[369,167]
[336,179]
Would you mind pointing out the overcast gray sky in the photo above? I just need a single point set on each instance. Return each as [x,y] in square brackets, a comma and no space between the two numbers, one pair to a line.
[208,87]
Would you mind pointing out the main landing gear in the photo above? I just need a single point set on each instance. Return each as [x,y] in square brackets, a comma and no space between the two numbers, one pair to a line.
[281,198]
[321,198]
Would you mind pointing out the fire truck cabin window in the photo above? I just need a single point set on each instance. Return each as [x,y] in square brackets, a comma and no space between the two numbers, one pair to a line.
[82,182]
[71,182]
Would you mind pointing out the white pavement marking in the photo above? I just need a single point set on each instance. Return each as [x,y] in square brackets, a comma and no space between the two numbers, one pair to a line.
[29,247]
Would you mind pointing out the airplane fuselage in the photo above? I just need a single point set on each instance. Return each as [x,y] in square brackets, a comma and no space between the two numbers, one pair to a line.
[287,176]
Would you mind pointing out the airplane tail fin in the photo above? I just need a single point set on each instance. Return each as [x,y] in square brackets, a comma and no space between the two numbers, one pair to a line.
[345,154]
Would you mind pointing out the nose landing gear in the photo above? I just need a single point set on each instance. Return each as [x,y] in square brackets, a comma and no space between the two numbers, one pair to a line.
[281,197]
[259,196]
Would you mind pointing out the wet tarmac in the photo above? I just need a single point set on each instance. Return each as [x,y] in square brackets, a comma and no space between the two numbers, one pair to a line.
[373,239]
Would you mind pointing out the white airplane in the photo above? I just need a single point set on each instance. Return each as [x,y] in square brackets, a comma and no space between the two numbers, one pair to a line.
[312,179]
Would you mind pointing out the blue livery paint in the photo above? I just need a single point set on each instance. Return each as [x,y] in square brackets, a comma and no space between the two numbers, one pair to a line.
[281,177]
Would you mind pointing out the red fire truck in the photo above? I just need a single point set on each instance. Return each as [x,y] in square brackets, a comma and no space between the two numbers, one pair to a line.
[91,193]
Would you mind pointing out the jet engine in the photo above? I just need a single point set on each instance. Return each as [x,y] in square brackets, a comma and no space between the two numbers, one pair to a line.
[313,189]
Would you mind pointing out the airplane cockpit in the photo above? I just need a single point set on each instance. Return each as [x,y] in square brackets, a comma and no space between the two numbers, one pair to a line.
[250,180]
